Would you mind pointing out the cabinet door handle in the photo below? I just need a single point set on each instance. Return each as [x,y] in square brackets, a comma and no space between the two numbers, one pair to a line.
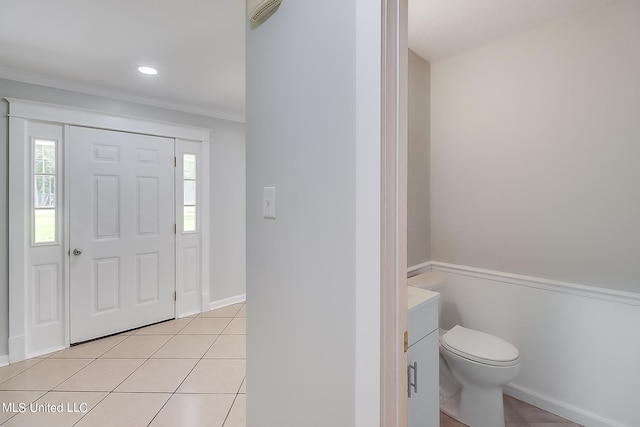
[413,383]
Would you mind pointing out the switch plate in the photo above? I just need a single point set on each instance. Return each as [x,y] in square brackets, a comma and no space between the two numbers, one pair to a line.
[269,202]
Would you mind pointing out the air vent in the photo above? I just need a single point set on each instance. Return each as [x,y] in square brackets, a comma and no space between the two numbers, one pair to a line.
[260,9]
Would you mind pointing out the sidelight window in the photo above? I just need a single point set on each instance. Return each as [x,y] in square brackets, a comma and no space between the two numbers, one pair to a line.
[189,203]
[44,191]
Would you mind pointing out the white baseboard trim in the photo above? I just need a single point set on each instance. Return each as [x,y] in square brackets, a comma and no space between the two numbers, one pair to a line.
[4,360]
[45,351]
[559,408]
[17,349]
[228,301]
[206,302]
[189,313]
[622,297]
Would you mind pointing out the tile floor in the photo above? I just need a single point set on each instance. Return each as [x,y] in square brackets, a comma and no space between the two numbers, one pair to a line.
[187,372]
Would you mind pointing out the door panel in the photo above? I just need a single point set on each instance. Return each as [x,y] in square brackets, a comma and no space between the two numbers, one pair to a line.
[122,224]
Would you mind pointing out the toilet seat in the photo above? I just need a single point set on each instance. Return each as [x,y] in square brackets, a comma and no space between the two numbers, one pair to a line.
[479,347]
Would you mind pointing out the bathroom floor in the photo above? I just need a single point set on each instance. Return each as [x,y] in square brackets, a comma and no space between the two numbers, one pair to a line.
[185,372]
[519,414]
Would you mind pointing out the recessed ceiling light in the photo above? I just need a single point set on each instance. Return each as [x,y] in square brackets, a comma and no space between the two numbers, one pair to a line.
[148,70]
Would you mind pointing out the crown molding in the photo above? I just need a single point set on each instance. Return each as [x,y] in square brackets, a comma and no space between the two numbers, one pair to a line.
[120,95]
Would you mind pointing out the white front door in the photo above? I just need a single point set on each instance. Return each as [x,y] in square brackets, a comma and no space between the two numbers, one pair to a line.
[121,225]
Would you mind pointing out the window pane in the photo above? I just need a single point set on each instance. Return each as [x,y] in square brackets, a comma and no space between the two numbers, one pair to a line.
[45,225]
[37,158]
[49,158]
[189,219]
[45,191]
[189,193]
[44,157]
[189,166]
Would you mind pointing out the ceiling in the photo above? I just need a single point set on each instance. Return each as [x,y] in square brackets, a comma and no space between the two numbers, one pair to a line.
[441,28]
[95,46]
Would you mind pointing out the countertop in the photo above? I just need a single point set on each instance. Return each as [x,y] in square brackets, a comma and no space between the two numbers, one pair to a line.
[416,296]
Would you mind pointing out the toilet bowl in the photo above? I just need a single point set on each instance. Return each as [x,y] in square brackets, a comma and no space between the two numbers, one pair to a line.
[481,364]
[474,367]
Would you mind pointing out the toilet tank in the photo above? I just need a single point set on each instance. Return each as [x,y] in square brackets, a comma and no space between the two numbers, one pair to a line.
[431,281]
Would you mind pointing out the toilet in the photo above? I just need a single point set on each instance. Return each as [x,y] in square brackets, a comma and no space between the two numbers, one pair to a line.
[474,367]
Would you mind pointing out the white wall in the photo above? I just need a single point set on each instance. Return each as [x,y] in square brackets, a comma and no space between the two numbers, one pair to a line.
[418,205]
[228,207]
[307,94]
[535,152]
[227,148]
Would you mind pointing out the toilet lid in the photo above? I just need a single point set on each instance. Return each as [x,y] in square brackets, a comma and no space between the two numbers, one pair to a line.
[479,347]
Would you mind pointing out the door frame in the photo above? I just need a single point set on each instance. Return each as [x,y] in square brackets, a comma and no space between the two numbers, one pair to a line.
[393,224]
[24,338]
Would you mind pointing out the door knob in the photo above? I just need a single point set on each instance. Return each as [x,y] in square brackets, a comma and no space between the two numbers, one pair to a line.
[77,251]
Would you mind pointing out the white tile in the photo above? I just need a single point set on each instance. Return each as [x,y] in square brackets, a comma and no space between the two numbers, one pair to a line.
[238,415]
[194,410]
[206,325]
[73,407]
[228,347]
[185,347]
[236,326]
[14,369]
[101,375]
[228,311]
[17,400]
[45,375]
[169,327]
[243,311]
[158,375]
[125,409]
[137,347]
[90,350]
[215,376]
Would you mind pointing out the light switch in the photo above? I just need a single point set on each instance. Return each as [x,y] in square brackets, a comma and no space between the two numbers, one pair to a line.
[269,202]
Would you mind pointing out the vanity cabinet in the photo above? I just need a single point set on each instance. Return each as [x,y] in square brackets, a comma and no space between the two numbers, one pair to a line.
[423,359]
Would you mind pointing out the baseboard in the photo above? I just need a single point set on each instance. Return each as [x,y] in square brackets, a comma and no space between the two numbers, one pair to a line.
[17,348]
[189,313]
[559,408]
[45,351]
[4,360]
[206,302]
[227,301]
[622,297]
